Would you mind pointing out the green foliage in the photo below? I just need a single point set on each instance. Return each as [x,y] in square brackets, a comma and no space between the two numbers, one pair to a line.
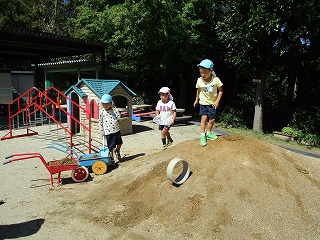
[274,92]
[16,13]
[154,41]
[249,31]
[292,132]
[305,125]
[306,121]
[311,139]
[267,37]
[44,15]
[159,42]
[303,137]
[231,117]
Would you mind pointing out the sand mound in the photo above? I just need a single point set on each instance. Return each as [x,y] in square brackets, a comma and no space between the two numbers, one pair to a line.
[239,188]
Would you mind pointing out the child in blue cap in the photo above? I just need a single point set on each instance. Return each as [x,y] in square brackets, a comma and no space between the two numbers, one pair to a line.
[208,96]
[109,125]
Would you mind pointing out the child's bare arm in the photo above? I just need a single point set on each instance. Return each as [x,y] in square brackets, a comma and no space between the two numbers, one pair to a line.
[174,116]
[197,98]
[220,92]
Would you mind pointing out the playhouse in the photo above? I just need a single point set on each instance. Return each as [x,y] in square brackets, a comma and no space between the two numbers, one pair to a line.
[87,93]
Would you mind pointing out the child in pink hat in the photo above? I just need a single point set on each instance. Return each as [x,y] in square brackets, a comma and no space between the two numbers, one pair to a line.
[166,115]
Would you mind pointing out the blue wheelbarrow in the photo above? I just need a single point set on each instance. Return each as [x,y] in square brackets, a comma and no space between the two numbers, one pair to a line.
[99,161]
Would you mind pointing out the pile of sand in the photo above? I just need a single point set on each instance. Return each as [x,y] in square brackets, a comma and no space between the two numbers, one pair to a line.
[240,188]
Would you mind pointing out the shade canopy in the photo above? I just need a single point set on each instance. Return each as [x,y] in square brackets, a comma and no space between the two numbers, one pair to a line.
[18,44]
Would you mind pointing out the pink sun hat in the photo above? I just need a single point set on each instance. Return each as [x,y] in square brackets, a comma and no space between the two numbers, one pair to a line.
[166,90]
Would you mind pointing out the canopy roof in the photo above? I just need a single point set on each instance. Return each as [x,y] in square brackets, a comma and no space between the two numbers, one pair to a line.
[39,46]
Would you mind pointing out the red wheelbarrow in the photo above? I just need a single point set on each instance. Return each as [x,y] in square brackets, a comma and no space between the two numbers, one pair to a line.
[78,174]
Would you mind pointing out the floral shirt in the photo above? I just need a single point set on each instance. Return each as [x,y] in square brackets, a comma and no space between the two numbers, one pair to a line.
[108,121]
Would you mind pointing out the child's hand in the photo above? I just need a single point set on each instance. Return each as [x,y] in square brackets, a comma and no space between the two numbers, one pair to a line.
[195,103]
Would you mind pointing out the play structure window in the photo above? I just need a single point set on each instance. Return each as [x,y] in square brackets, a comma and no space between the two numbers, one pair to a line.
[121,102]
[94,109]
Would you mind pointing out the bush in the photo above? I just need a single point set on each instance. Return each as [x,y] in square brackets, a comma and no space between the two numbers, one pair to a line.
[306,121]
[311,139]
[305,138]
[232,118]
[292,132]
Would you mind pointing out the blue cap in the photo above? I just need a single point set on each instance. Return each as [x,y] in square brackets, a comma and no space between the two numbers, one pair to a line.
[206,63]
[106,98]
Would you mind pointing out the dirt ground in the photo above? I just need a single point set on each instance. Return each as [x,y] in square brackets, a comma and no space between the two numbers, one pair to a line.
[239,188]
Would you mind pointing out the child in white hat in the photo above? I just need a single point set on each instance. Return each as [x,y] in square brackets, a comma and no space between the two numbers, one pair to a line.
[166,115]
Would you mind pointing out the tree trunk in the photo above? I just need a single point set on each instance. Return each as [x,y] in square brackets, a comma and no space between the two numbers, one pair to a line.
[287,107]
[258,110]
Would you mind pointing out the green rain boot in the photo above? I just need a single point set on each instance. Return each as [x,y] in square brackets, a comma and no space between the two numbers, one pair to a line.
[211,136]
[203,141]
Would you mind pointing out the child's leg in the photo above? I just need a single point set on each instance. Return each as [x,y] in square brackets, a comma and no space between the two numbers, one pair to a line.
[111,153]
[117,151]
[203,139]
[203,124]
[118,147]
[170,141]
[110,144]
[212,116]
[209,134]
[119,142]
[168,135]
[164,132]
[210,124]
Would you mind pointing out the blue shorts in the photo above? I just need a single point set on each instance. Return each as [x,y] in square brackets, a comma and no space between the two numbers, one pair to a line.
[113,140]
[208,110]
[164,126]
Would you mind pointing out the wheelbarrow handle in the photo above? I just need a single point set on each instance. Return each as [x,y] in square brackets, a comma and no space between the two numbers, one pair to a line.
[6,162]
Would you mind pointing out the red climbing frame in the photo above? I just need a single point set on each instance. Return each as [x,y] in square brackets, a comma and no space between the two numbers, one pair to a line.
[37,101]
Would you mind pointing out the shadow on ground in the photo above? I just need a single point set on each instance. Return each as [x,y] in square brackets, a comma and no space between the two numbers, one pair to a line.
[22,229]
[140,128]
[131,157]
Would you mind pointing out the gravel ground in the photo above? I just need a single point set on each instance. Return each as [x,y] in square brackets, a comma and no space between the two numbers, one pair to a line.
[239,188]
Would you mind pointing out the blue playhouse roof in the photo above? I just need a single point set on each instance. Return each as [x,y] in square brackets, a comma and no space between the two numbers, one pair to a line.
[98,87]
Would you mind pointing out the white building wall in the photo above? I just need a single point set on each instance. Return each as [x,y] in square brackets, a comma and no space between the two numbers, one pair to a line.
[22,82]
[5,88]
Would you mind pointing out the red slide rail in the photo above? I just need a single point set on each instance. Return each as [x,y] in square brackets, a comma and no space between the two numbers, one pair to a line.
[37,101]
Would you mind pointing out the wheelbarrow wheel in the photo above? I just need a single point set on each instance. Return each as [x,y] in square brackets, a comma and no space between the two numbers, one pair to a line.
[99,167]
[80,174]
